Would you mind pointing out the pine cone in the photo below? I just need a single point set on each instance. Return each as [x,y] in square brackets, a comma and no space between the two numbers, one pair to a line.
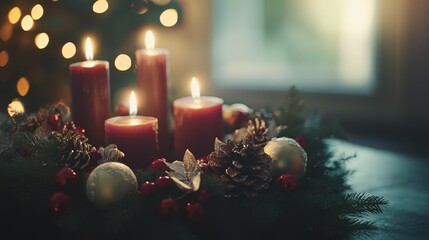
[243,166]
[75,148]
[258,132]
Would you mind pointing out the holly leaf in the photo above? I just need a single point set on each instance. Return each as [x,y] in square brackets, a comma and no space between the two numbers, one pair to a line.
[186,174]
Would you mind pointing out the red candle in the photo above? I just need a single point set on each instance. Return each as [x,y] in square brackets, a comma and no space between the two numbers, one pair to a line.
[90,95]
[136,136]
[152,77]
[198,122]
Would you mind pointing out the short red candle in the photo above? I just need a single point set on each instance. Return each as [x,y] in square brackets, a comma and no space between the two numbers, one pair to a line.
[198,122]
[152,78]
[136,136]
[90,87]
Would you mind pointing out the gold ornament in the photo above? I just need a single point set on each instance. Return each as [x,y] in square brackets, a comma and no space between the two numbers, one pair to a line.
[288,156]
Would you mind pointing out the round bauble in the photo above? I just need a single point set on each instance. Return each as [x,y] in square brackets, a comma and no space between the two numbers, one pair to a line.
[288,156]
[111,184]
[148,189]
[236,114]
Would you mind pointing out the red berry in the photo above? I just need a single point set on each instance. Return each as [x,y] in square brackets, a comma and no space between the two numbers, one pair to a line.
[288,182]
[203,160]
[160,165]
[168,207]
[163,182]
[195,211]
[54,121]
[148,189]
[95,155]
[58,202]
[66,178]
[203,196]
[301,141]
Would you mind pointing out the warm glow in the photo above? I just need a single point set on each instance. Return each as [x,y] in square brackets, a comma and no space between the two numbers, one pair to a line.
[150,40]
[100,6]
[123,62]
[22,86]
[15,107]
[161,2]
[133,104]
[169,17]
[68,50]
[27,23]
[89,51]
[37,12]
[41,40]
[14,15]
[4,58]
[6,32]
[195,88]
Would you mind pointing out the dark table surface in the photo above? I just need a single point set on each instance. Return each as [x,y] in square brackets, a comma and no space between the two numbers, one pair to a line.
[401,177]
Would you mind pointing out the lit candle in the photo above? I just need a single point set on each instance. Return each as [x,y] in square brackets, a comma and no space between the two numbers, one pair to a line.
[136,136]
[152,77]
[198,122]
[90,87]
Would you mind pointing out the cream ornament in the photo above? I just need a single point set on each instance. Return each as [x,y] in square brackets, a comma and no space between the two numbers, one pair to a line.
[288,156]
[111,184]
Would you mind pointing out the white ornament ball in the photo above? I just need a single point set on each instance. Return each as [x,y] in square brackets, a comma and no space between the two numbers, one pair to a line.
[235,114]
[111,184]
[288,156]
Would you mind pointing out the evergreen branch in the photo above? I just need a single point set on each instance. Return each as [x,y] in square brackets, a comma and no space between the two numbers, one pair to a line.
[361,203]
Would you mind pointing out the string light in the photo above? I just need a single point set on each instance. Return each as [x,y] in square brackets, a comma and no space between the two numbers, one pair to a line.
[68,50]
[161,2]
[169,17]
[22,86]
[6,32]
[100,6]
[123,62]
[14,15]
[27,23]
[37,12]
[4,58]
[41,40]
[15,107]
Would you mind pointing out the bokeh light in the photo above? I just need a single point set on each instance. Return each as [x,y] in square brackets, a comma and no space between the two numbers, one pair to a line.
[4,58]
[123,62]
[169,17]
[68,50]
[37,12]
[22,86]
[27,23]
[161,2]
[100,6]
[41,40]
[15,107]
[14,15]
[6,32]
[140,6]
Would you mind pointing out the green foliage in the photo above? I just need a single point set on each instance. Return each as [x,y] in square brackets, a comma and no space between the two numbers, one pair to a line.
[322,207]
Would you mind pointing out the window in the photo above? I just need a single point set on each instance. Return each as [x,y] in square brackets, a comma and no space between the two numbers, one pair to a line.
[327,46]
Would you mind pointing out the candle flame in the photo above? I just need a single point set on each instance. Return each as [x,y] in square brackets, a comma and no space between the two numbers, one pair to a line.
[133,104]
[150,40]
[89,51]
[195,88]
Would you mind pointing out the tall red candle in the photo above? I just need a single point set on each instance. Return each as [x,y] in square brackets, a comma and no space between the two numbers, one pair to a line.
[136,136]
[152,77]
[198,122]
[90,87]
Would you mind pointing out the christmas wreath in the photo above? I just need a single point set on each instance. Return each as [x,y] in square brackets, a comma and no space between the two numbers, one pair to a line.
[272,177]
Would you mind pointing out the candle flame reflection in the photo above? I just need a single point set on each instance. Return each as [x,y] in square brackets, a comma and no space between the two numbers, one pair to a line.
[133,104]
[150,40]
[195,88]
[89,51]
